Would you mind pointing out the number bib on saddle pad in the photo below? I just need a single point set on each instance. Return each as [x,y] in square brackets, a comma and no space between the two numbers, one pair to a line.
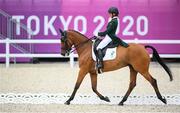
[109,55]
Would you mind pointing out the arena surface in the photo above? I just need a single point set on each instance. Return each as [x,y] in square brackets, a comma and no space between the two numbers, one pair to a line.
[45,87]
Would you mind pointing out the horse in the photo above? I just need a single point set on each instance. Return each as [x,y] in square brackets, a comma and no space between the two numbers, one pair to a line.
[135,56]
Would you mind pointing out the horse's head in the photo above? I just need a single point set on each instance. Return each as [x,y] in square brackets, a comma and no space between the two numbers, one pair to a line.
[65,43]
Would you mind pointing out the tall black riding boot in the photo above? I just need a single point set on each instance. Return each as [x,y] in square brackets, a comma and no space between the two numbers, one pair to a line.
[100,59]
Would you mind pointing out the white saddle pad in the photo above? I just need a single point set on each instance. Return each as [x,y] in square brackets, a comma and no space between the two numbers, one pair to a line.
[110,54]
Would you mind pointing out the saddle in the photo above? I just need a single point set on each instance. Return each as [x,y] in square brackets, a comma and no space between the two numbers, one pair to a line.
[113,44]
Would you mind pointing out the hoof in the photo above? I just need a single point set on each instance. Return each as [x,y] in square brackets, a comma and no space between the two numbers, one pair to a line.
[105,99]
[121,104]
[164,100]
[67,103]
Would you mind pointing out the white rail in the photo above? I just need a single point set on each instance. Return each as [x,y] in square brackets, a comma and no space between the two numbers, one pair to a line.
[8,55]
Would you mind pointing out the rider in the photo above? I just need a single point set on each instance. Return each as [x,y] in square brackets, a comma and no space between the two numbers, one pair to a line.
[109,35]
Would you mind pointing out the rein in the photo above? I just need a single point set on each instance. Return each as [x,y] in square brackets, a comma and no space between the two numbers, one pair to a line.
[81,44]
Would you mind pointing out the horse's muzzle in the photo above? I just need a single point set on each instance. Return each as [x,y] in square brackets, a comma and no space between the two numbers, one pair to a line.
[63,53]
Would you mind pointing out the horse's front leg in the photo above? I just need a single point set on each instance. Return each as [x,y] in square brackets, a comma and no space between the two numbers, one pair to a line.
[94,86]
[81,75]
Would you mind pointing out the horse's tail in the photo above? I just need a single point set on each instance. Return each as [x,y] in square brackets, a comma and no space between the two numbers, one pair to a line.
[157,57]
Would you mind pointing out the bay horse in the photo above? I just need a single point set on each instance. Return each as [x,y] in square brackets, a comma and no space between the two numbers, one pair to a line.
[136,57]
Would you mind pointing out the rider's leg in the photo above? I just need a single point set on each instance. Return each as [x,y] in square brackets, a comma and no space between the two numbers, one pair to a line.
[102,44]
[100,59]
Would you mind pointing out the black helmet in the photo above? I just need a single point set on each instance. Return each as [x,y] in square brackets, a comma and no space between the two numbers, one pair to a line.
[113,10]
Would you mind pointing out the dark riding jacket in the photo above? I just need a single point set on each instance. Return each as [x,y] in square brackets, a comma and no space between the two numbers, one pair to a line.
[111,32]
[110,29]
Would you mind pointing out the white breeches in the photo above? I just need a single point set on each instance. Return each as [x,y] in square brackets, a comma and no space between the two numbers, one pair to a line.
[104,42]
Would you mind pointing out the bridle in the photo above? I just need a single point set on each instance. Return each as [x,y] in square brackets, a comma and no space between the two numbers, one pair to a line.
[68,49]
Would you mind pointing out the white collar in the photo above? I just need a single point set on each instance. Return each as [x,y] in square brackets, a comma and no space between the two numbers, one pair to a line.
[113,18]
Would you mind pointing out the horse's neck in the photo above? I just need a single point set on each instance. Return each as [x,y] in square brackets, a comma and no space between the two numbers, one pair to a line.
[80,43]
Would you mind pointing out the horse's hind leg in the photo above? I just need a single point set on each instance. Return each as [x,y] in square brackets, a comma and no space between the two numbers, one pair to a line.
[93,76]
[132,84]
[153,82]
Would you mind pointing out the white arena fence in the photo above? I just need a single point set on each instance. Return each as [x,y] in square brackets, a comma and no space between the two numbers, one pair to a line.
[7,55]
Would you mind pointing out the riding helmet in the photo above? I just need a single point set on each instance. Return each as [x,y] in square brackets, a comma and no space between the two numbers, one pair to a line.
[113,10]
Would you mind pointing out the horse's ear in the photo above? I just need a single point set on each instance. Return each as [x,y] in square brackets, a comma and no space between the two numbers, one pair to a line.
[62,33]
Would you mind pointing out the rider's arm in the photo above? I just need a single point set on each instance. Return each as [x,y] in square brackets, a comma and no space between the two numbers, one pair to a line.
[108,30]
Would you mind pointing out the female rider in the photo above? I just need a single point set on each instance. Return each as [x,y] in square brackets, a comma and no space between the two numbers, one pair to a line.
[109,35]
